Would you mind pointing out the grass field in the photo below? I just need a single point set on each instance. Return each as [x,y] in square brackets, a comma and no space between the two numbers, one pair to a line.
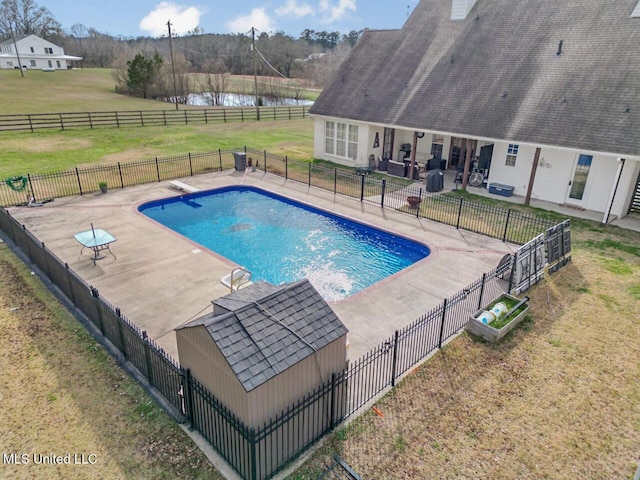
[88,90]
[558,399]
[60,393]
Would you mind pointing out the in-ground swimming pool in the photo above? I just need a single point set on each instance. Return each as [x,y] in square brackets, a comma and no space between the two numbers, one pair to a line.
[280,241]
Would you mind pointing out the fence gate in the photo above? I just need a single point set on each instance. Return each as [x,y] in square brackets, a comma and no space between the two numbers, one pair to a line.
[529,263]
[558,240]
[635,203]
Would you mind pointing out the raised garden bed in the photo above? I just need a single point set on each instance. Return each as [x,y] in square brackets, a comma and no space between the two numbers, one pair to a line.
[496,329]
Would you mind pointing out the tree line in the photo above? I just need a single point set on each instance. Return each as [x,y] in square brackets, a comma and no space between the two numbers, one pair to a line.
[314,55]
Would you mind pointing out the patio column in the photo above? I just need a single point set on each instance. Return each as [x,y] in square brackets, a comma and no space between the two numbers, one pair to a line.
[413,154]
[467,162]
[532,178]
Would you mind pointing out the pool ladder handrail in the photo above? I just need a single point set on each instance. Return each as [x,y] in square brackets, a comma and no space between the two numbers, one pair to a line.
[235,282]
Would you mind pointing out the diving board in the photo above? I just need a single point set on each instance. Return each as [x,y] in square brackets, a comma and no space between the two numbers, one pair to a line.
[183,186]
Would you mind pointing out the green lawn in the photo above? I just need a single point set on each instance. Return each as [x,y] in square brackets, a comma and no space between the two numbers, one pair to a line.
[48,151]
[89,90]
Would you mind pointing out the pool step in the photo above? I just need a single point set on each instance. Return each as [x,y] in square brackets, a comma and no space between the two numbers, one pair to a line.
[238,278]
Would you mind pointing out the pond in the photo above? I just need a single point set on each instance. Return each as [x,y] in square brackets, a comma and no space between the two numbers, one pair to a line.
[242,100]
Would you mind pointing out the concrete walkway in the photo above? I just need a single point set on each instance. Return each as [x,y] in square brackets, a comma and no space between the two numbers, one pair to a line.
[161,280]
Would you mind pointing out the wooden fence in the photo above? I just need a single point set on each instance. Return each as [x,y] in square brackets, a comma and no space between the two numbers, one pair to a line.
[141,118]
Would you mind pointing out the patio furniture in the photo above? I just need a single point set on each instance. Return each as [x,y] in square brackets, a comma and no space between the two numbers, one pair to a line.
[396,168]
[97,240]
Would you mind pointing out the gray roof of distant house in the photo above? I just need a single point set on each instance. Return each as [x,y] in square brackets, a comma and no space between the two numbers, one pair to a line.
[496,74]
[270,328]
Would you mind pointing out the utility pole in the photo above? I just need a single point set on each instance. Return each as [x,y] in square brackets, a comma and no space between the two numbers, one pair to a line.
[16,47]
[255,71]
[173,68]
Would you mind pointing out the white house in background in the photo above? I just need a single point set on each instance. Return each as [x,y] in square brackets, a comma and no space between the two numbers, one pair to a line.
[542,90]
[34,52]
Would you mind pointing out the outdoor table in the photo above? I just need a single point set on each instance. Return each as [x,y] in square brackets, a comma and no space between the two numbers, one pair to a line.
[97,240]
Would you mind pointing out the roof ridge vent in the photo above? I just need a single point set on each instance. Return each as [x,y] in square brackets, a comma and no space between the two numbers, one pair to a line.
[636,11]
[461,8]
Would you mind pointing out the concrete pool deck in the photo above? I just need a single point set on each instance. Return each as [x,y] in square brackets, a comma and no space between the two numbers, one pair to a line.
[161,280]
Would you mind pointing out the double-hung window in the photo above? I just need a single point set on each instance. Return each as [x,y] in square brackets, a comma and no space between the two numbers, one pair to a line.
[341,139]
[512,154]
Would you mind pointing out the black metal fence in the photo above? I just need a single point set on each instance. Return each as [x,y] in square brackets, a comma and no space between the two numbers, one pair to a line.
[506,224]
[260,453]
[141,118]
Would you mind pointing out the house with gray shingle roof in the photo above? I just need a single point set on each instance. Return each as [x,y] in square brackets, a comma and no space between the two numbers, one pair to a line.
[545,93]
[264,347]
[34,52]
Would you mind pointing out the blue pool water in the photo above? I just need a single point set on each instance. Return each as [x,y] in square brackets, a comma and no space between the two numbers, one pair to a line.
[279,240]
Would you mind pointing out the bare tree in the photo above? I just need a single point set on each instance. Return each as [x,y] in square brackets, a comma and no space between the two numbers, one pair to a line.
[25,17]
[215,82]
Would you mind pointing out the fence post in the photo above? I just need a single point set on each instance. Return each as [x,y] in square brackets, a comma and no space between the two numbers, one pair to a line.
[186,119]
[121,333]
[224,115]
[444,315]
[289,113]
[90,122]
[459,212]
[418,209]
[96,295]
[61,122]
[79,183]
[30,123]
[506,226]
[514,263]
[254,456]
[332,416]
[188,394]
[157,169]
[335,181]
[361,188]
[484,279]
[286,167]
[147,357]
[220,157]
[206,120]
[190,165]
[164,116]
[33,192]
[394,365]
[309,174]
[264,157]
[117,120]
[384,186]
[120,173]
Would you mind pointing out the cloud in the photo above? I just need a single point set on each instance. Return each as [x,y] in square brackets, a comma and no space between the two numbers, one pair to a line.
[292,9]
[183,19]
[257,18]
[333,12]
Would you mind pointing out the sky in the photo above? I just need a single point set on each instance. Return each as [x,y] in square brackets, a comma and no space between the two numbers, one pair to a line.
[133,18]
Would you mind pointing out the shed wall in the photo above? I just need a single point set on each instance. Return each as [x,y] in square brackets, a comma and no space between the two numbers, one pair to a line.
[200,354]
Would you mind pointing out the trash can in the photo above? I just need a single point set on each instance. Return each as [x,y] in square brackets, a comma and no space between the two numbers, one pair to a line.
[435,180]
[240,159]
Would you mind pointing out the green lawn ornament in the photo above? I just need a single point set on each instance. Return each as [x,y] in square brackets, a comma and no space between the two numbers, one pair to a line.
[17,184]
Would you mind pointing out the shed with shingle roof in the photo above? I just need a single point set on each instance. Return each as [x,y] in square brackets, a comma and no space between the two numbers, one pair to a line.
[264,347]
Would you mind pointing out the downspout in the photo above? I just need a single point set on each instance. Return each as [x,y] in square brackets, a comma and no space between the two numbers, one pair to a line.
[612,197]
